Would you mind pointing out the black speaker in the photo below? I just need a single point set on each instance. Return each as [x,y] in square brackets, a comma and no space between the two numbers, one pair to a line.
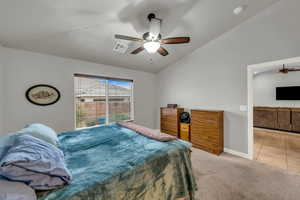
[185,117]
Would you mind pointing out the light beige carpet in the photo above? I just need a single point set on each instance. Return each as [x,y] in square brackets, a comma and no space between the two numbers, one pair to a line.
[227,177]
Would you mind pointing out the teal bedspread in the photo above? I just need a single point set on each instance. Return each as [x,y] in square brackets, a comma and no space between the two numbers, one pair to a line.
[114,163]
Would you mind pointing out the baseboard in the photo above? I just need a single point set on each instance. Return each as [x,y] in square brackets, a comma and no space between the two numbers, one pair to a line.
[237,153]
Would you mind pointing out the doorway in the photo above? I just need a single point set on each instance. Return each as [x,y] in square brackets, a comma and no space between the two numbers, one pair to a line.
[267,145]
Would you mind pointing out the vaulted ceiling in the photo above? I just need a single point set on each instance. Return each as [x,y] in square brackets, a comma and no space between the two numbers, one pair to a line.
[84,29]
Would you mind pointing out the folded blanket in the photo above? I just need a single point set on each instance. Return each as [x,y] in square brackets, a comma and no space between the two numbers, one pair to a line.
[35,162]
[147,132]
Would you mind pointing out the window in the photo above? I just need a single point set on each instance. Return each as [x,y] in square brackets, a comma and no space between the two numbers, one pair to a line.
[101,100]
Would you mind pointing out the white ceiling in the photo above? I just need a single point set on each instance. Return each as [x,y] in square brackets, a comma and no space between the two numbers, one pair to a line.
[84,29]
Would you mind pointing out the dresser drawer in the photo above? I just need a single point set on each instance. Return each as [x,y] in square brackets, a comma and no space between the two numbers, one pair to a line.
[204,123]
[185,131]
[206,130]
[207,138]
[184,127]
[169,132]
[169,126]
[168,112]
[210,116]
[205,141]
[184,136]
[172,119]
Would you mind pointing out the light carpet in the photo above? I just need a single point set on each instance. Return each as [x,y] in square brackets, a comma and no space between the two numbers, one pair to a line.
[228,177]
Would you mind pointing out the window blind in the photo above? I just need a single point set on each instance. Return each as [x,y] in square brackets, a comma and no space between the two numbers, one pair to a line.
[101,100]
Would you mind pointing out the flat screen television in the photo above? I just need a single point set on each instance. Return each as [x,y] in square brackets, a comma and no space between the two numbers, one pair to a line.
[288,93]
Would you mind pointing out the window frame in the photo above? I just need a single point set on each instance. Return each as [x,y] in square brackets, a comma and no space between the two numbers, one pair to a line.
[107,78]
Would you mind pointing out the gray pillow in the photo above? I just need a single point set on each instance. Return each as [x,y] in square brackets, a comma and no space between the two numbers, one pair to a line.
[41,132]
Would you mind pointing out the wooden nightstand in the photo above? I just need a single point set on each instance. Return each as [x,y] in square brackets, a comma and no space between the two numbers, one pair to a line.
[185,131]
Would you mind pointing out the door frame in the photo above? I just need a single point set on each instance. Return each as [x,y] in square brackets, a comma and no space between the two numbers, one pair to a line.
[250,74]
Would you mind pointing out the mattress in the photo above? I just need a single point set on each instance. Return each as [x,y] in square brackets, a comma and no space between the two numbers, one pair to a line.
[111,162]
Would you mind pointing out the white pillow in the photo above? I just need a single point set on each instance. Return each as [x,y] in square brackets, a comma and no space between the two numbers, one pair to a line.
[10,190]
[41,132]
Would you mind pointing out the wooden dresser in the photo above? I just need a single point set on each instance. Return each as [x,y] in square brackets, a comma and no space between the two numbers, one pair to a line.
[169,120]
[280,118]
[265,117]
[295,120]
[207,130]
[284,118]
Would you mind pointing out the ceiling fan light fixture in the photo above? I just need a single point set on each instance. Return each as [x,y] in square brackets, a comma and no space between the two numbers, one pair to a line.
[152,46]
[152,40]
[154,28]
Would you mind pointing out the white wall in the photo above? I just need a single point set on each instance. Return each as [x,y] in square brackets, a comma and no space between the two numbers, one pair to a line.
[264,86]
[215,76]
[24,69]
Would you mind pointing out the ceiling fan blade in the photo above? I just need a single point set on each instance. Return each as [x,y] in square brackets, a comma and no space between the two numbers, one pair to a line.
[124,37]
[138,50]
[176,40]
[162,51]
[294,70]
[285,71]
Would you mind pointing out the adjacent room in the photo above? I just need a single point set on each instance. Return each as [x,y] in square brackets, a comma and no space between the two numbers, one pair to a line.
[149,100]
[276,116]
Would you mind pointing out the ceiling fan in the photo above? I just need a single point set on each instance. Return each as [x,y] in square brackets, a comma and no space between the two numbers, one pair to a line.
[152,40]
[287,70]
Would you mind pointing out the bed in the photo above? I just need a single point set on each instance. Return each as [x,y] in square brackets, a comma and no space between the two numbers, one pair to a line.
[112,162]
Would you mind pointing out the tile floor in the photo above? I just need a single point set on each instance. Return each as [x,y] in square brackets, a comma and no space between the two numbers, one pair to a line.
[278,149]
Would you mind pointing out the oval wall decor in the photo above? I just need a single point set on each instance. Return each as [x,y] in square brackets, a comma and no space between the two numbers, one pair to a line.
[42,95]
